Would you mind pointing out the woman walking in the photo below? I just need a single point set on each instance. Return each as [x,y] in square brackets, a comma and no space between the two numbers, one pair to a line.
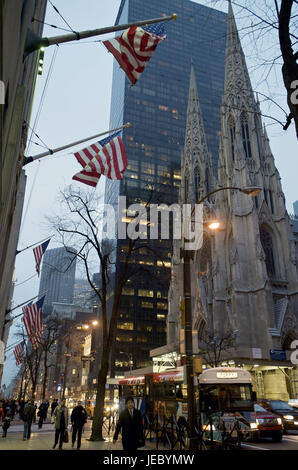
[60,419]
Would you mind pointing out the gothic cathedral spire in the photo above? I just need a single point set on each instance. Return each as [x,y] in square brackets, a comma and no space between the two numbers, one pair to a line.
[195,165]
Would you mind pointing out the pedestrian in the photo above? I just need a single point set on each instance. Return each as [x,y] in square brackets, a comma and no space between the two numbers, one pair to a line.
[42,413]
[131,423]
[60,419]
[28,416]
[1,411]
[13,409]
[21,408]
[5,424]
[78,418]
[53,406]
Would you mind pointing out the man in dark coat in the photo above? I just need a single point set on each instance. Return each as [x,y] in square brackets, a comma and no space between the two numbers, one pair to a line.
[42,413]
[28,416]
[53,406]
[78,418]
[131,424]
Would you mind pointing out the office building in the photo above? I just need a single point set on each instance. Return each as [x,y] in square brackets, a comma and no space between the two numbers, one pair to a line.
[17,82]
[57,277]
[156,107]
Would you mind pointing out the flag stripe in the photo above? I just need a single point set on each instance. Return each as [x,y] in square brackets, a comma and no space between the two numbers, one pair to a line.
[110,160]
[135,47]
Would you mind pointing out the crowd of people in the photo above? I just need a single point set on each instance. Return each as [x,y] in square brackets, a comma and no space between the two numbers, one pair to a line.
[28,412]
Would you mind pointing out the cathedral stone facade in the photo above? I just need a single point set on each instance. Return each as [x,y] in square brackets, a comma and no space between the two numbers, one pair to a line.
[244,277]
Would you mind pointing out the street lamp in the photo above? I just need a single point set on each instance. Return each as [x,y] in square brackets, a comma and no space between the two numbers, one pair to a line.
[187,256]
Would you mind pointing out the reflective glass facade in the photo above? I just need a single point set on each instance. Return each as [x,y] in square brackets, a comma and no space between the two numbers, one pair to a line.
[156,107]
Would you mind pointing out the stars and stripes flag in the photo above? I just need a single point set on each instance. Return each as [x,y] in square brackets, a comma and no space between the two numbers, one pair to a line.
[19,352]
[33,321]
[135,47]
[38,252]
[106,157]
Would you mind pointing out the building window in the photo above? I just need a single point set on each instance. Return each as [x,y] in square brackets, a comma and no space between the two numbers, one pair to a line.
[145,293]
[125,326]
[245,135]
[197,183]
[127,291]
[146,304]
[186,184]
[267,245]
[232,136]
[271,201]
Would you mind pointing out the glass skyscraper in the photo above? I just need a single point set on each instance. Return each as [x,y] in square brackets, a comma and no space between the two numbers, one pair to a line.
[156,108]
[57,277]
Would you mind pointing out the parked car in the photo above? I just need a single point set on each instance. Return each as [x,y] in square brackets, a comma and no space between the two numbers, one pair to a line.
[266,423]
[283,410]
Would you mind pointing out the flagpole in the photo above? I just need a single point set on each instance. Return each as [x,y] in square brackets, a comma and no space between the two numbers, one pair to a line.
[30,246]
[58,149]
[34,42]
[9,311]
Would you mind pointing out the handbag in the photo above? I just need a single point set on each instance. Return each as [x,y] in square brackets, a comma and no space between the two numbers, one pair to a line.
[65,439]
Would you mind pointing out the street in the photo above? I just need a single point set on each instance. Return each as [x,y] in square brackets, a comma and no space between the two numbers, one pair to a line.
[289,442]
[43,439]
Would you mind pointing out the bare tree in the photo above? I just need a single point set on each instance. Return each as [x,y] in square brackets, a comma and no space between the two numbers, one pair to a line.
[213,347]
[79,228]
[33,359]
[50,335]
[268,31]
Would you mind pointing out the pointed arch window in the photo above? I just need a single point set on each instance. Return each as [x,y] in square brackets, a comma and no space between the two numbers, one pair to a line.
[245,135]
[267,244]
[232,131]
[197,183]
[186,184]
[207,181]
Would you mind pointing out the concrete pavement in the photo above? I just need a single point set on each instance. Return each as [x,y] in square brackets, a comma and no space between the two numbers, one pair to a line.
[43,439]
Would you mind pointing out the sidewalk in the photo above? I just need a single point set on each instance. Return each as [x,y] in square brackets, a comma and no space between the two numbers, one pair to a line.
[43,439]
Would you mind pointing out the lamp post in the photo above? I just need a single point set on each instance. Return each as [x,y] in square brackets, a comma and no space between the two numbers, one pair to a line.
[187,256]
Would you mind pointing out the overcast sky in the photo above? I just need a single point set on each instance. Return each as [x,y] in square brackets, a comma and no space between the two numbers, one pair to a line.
[76,105]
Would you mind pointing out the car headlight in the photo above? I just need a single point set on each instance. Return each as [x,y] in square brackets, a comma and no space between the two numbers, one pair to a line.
[253,425]
[279,420]
[289,417]
[260,421]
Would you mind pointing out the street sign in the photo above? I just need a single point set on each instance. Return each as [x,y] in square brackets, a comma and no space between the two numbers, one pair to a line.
[87,358]
[278,355]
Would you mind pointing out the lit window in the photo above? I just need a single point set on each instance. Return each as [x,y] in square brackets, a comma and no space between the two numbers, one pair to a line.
[73,371]
[124,338]
[162,306]
[145,293]
[146,304]
[163,108]
[165,264]
[160,317]
[127,291]
[125,326]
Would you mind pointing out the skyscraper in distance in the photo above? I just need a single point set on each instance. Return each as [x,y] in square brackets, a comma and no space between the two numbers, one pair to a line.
[57,277]
[156,107]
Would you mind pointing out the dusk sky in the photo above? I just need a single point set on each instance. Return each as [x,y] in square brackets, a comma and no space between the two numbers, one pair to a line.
[76,104]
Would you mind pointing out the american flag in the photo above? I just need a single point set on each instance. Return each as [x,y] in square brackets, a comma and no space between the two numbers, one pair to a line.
[19,353]
[135,47]
[38,252]
[33,321]
[106,157]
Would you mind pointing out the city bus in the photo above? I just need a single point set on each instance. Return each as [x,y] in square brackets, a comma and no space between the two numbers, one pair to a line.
[224,394]
[221,395]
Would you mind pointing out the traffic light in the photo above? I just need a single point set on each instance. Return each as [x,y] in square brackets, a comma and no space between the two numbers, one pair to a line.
[40,60]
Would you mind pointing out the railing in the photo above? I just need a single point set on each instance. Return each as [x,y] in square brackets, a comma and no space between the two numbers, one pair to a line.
[174,434]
